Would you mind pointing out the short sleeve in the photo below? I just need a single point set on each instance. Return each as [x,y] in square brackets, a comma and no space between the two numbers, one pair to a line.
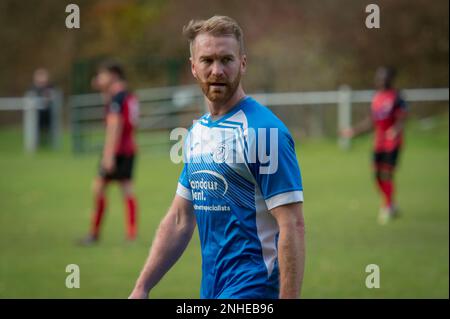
[183,188]
[116,105]
[279,176]
[400,104]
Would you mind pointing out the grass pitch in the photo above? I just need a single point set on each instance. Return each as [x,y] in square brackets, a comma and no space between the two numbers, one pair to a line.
[45,205]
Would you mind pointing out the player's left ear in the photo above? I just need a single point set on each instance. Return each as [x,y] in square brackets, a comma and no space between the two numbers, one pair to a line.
[243,63]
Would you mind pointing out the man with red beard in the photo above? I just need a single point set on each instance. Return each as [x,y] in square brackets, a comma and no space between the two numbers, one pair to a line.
[248,208]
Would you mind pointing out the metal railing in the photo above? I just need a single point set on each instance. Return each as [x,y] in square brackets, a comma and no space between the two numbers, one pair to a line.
[161,109]
[30,104]
[169,107]
[344,98]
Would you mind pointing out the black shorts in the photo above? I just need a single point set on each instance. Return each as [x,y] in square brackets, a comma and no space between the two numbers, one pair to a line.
[386,158]
[123,168]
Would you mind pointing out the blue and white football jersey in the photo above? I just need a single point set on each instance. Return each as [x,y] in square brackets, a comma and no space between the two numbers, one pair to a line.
[237,169]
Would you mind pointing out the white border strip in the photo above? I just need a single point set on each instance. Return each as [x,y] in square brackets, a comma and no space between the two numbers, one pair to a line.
[184,192]
[284,199]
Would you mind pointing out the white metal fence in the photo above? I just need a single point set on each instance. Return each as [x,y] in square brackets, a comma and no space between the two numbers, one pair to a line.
[170,107]
[29,105]
[344,98]
[162,107]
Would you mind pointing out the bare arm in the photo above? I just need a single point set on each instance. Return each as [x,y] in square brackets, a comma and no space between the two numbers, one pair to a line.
[291,248]
[398,127]
[365,126]
[172,237]
[113,131]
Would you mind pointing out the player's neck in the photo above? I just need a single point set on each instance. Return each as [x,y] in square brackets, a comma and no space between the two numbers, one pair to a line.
[387,87]
[117,87]
[218,109]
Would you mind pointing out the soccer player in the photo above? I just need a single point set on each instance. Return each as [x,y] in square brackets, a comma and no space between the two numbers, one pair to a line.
[119,151]
[43,88]
[241,184]
[388,118]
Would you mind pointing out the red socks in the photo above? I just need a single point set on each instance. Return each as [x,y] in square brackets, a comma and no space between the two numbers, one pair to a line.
[100,204]
[131,210]
[387,188]
[131,217]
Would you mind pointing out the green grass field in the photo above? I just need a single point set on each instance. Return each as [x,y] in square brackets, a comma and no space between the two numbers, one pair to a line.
[45,204]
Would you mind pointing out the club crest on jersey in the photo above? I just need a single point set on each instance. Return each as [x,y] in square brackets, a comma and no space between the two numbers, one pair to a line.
[220,154]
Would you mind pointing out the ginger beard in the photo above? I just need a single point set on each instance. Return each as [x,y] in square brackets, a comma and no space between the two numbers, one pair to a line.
[220,90]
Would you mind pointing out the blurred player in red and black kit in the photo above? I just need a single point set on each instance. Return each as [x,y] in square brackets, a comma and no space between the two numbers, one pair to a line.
[121,114]
[388,117]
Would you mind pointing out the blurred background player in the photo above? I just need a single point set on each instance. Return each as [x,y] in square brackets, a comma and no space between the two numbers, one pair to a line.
[388,116]
[41,87]
[121,114]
